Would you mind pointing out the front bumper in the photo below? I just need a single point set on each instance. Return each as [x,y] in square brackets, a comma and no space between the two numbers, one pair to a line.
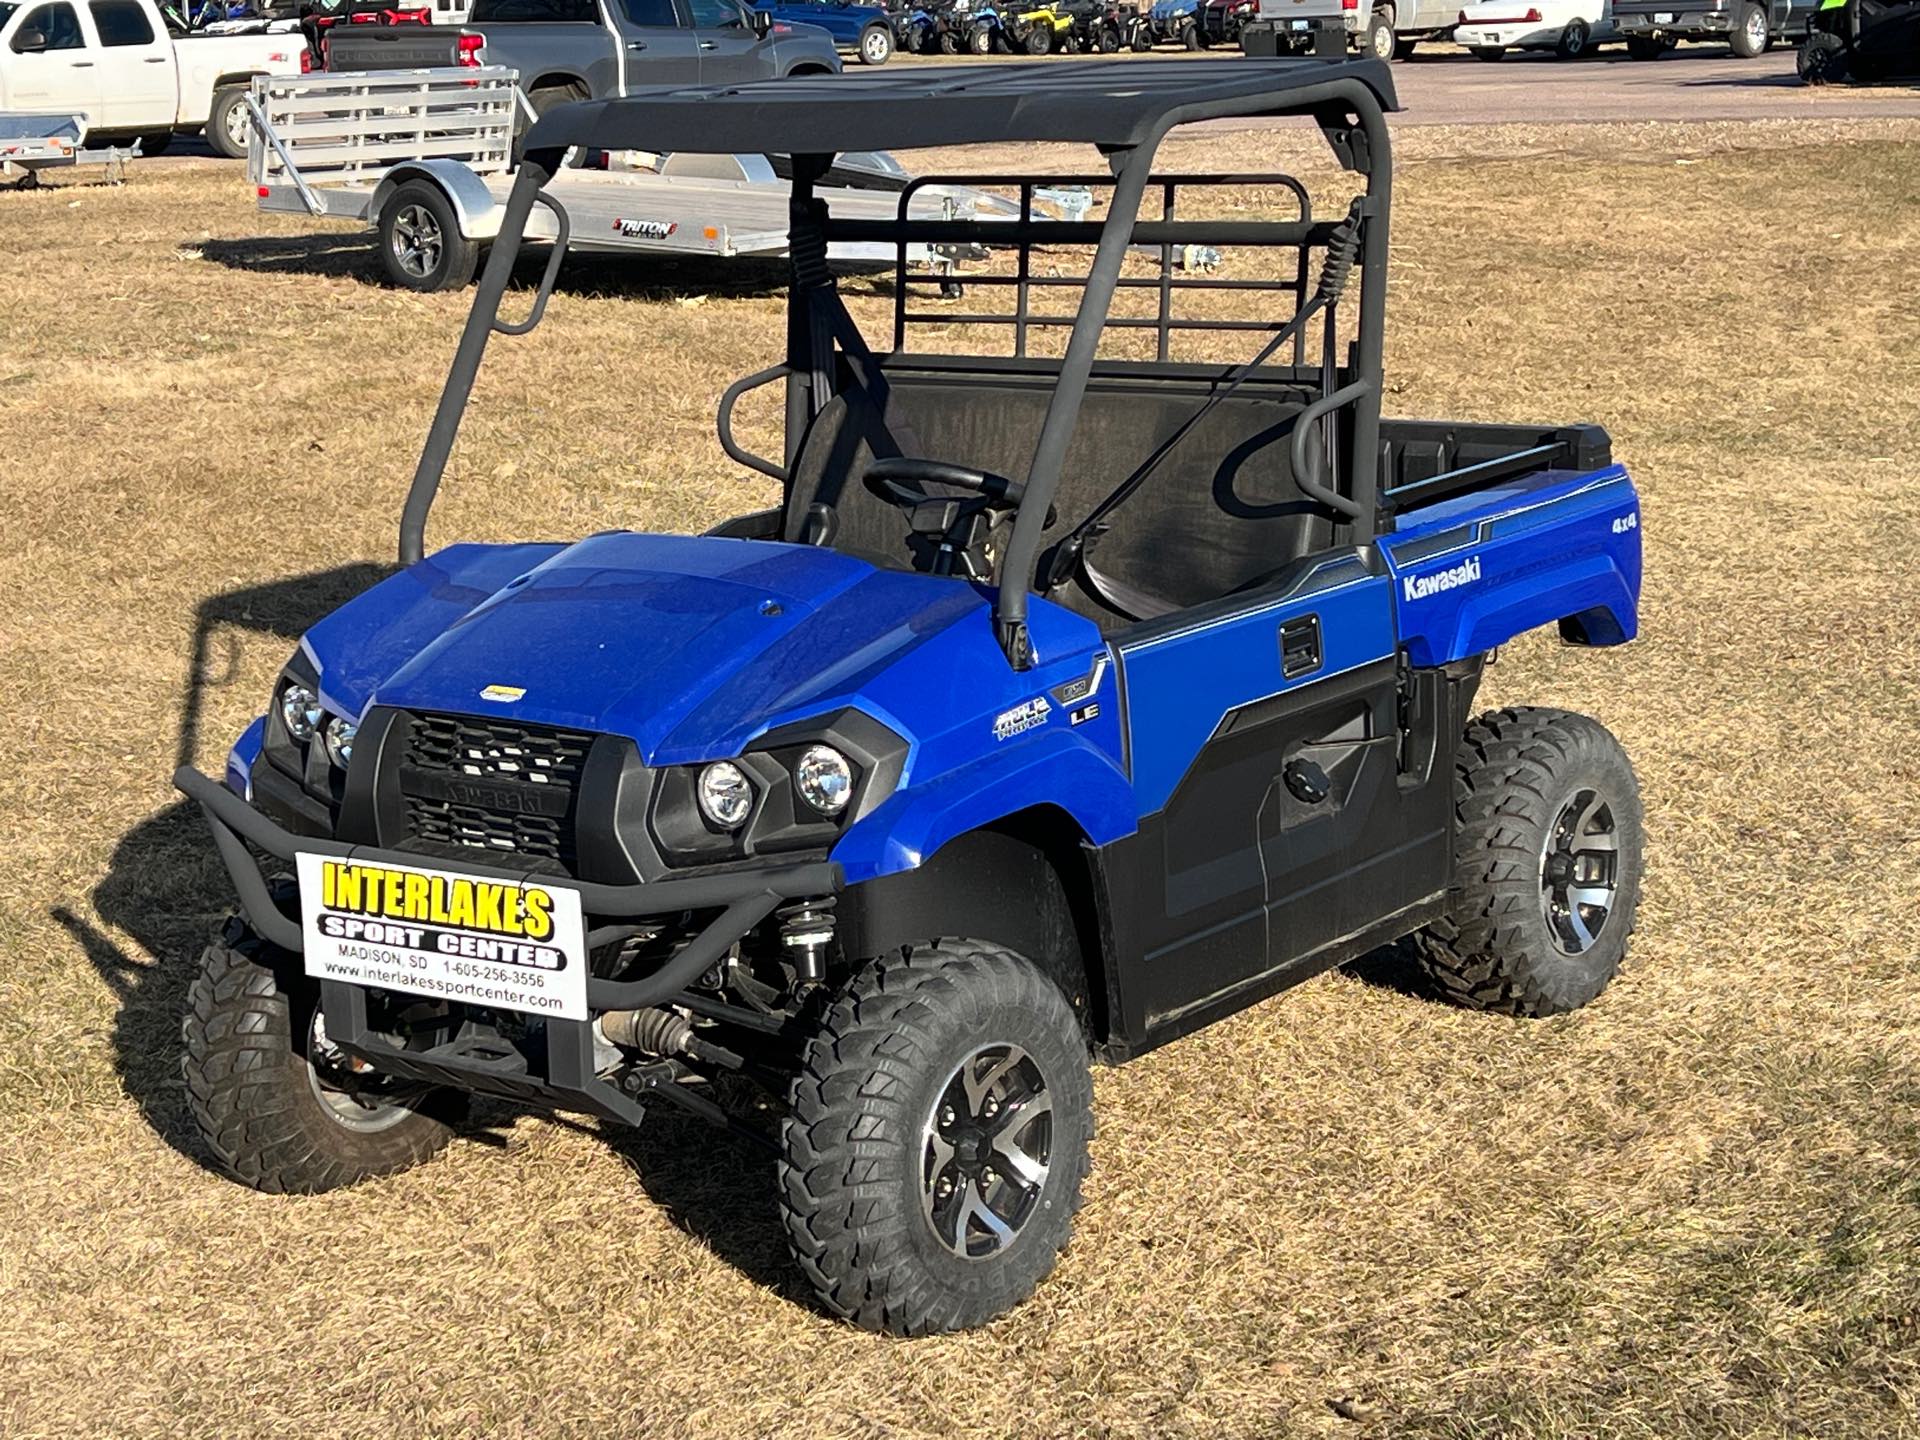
[563,1073]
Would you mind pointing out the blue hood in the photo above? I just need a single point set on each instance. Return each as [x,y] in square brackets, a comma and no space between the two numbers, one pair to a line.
[692,646]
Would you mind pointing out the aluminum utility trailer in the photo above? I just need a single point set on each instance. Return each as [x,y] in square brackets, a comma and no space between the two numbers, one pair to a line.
[32,143]
[425,156]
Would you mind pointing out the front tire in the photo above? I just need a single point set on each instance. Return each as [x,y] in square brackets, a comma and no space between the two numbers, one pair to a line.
[937,1139]
[1547,864]
[279,1109]
[1379,40]
[1039,40]
[1822,59]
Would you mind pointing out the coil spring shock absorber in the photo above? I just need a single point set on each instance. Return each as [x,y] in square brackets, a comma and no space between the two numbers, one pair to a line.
[806,929]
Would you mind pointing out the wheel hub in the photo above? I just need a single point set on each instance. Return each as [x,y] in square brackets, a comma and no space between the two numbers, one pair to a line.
[1579,872]
[985,1151]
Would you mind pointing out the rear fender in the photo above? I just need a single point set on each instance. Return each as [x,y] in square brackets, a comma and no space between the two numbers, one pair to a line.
[1568,553]
[473,204]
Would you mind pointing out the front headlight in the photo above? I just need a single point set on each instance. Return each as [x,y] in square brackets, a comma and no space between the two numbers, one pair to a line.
[726,797]
[340,735]
[824,778]
[300,711]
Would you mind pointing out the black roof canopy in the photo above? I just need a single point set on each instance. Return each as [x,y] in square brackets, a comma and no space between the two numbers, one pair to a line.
[1104,103]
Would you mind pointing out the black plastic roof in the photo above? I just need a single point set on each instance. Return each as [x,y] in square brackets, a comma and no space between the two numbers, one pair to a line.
[1100,102]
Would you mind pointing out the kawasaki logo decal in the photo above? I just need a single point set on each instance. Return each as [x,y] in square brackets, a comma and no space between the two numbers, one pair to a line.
[1419,587]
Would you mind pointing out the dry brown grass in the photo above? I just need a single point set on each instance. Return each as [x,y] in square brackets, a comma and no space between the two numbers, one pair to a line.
[1692,1209]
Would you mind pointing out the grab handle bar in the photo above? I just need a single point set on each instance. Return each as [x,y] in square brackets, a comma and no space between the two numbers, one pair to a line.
[733,448]
[545,292]
[1305,475]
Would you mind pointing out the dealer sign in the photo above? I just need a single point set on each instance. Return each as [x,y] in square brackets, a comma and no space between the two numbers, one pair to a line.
[505,944]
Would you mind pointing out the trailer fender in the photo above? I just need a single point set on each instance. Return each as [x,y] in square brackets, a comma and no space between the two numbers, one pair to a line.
[473,203]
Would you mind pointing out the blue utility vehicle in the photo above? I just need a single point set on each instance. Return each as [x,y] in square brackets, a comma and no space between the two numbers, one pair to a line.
[1070,698]
[865,30]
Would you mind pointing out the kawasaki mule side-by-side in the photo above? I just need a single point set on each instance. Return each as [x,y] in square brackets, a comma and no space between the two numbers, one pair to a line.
[1072,698]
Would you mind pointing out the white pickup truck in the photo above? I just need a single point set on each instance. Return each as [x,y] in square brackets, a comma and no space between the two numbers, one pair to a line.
[118,64]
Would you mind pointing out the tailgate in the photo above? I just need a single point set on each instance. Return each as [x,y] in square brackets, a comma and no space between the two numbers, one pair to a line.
[391,47]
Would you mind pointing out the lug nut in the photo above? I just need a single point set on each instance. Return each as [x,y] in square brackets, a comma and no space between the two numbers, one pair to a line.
[946,1116]
[945,1187]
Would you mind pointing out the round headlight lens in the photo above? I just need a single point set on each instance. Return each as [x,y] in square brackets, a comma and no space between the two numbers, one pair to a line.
[824,778]
[340,735]
[300,709]
[725,796]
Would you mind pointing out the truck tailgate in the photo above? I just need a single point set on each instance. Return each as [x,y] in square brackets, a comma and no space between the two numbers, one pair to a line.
[392,47]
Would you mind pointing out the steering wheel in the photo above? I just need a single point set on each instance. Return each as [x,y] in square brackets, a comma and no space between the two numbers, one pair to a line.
[948,534]
[899,479]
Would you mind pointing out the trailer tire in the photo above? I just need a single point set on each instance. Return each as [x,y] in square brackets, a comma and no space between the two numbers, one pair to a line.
[904,1137]
[1547,859]
[421,247]
[263,1105]
[876,45]
[1752,33]
[228,123]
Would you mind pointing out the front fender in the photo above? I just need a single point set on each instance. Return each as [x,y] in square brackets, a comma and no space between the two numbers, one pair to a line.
[1054,768]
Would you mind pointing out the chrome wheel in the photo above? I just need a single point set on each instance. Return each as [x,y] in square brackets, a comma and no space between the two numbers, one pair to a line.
[1757,28]
[418,241]
[341,1084]
[1579,872]
[985,1151]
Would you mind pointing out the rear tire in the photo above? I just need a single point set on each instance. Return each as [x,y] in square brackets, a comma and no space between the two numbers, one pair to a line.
[1039,40]
[981,41]
[1191,37]
[228,124]
[155,142]
[1546,881]
[917,1198]
[1574,41]
[273,1113]
[1752,33]
[421,247]
[1403,49]
[1379,43]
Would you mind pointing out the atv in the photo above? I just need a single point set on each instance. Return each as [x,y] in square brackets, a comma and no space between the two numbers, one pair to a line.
[1066,703]
[1869,41]
[1042,30]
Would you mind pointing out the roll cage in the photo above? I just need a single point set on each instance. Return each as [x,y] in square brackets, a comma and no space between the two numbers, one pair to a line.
[1125,112]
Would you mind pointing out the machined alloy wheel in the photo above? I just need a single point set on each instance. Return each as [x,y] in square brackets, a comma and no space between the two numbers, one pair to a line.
[1573,40]
[351,1096]
[936,1138]
[1754,33]
[1577,872]
[984,1151]
[1547,854]
[876,46]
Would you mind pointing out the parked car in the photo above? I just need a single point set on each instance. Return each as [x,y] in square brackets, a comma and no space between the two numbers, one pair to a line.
[589,49]
[1750,27]
[117,64]
[1387,30]
[1569,28]
[862,824]
[866,30]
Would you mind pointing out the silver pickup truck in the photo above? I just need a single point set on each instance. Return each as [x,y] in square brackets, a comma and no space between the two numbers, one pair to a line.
[591,49]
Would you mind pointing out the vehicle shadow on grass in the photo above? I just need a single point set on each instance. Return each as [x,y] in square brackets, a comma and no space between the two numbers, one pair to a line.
[350,255]
[165,885]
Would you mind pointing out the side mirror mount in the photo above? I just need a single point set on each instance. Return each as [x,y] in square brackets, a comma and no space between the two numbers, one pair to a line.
[761,21]
[30,42]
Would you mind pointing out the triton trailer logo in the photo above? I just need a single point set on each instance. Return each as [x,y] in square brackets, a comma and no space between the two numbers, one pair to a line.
[1419,587]
[645,229]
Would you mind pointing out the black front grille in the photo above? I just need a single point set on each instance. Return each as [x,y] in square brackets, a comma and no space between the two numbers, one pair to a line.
[489,785]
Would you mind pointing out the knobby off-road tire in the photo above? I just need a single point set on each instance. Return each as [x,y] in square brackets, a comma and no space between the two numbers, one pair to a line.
[933,1080]
[262,1104]
[1546,867]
